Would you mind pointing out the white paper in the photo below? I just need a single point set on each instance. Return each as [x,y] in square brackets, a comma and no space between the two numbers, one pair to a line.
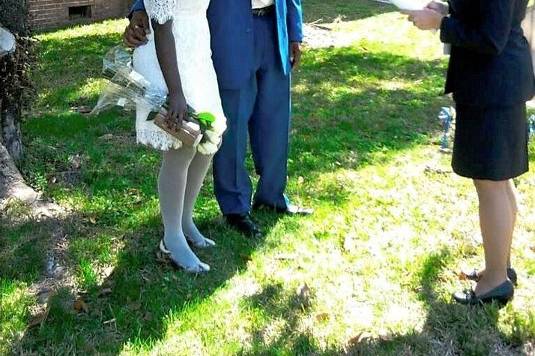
[410,5]
[7,42]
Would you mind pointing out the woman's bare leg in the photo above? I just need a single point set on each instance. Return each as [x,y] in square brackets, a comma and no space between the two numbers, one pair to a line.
[513,204]
[497,223]
[513,201]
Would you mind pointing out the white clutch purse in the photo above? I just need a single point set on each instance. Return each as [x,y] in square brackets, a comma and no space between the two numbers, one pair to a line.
[410,5]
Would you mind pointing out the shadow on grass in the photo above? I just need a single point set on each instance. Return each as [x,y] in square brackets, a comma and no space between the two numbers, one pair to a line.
[329,11]
[449,328]
[276,304]
[353,108]
[135,301]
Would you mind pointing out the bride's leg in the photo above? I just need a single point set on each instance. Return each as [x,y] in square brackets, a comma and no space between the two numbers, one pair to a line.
[172,188]
[196,174]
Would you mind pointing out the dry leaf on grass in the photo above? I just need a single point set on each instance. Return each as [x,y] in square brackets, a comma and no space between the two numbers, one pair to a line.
[162,257]
[385,336]
[76,161]
[39,319]
[285,256]
[304,295]
[462,276]
[81,109]
[80,306]
[104,292]
[135,306]
[360,337]
[148,316]
[322,316]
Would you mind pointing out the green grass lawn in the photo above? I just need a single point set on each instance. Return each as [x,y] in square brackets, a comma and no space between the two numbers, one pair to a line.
[380,256]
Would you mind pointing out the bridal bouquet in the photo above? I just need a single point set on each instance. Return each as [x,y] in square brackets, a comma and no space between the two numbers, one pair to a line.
[129,90]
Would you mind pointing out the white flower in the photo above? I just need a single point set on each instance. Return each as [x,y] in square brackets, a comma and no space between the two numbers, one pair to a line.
[212,136]
[207,148]
[219,126]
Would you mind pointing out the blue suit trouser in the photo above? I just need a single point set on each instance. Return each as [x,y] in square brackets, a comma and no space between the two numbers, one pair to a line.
[261,111]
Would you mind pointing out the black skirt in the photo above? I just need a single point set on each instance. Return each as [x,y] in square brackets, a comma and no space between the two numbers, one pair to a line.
[491,143]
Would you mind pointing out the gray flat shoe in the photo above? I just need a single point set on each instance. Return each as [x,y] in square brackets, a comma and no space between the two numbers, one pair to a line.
[206,243]
[200,268]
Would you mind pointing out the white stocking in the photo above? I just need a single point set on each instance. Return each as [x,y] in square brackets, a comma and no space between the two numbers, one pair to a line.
[172,188]
[196,174]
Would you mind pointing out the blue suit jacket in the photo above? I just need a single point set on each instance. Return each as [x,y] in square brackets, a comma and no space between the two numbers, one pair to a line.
[231,26]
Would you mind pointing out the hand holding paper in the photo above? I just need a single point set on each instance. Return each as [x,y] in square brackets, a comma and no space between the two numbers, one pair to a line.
[410,5]
[425,14]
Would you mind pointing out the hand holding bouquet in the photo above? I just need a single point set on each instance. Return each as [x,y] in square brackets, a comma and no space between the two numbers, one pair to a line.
[130,90]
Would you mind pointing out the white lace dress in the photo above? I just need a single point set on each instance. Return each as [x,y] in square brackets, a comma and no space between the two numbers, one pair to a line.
[199,81]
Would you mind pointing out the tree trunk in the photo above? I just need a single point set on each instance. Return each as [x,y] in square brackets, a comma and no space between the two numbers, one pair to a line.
[11,182]
[15,90]
[10,135]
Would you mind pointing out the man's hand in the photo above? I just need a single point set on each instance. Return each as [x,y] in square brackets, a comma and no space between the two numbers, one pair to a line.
[136,32]
[425,19]
[295,54]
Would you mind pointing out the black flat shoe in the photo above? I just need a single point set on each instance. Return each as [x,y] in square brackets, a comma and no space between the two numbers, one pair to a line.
[511,274]
[244,224]
[502,294]
[291,209]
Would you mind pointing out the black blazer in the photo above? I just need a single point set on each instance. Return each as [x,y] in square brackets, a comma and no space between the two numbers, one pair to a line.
[490,61]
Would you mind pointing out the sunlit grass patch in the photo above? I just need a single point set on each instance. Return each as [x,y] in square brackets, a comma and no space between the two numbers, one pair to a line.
[15,302]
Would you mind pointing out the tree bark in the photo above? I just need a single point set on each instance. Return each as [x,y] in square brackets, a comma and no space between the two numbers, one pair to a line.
[15,90]
[10,135]
[11,182]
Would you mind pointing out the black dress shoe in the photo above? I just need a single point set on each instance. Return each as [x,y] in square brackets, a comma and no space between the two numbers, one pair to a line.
[244,224]
[502,294]
[290,209]
[511,274]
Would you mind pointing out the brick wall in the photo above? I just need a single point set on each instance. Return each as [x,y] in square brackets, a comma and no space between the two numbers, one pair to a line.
[55,13]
